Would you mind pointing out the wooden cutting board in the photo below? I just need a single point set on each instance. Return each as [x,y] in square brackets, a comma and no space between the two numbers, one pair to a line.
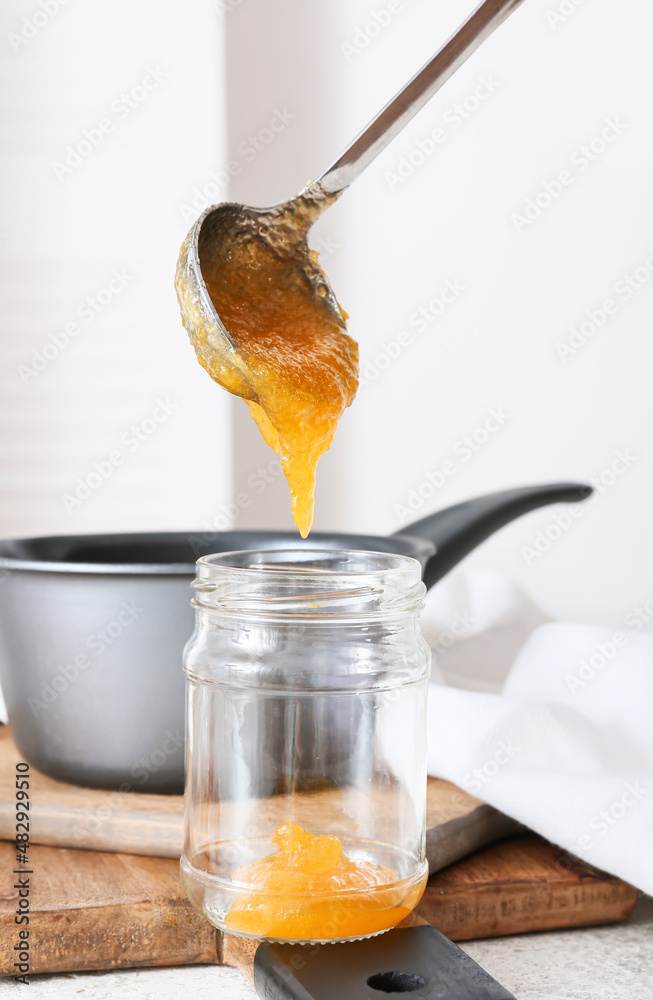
[66,815]
[97,910]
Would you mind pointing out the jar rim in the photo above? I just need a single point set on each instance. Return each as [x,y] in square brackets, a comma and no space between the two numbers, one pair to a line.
[309,582]
[228,560]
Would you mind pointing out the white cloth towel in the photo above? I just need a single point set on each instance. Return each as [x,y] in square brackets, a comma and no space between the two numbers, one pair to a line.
[551,723]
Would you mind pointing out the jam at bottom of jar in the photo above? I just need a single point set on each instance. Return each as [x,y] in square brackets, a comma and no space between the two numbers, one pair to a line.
[311,889]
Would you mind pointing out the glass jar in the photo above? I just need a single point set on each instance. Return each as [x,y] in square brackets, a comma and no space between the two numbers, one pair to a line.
[306,771]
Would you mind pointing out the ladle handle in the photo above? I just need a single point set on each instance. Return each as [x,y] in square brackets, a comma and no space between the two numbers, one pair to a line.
[390,121]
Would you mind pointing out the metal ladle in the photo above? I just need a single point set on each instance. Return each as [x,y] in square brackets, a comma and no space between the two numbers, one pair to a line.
[285,227]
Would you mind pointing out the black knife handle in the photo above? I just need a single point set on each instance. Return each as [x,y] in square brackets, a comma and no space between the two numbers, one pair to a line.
[417,961]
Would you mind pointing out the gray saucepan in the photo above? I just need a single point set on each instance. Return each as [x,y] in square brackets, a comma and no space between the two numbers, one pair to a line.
[92,629]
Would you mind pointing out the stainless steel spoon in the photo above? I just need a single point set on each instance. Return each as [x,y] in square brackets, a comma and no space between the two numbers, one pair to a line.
[285,226]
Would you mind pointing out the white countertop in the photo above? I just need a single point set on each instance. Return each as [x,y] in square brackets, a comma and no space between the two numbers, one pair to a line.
[614,962]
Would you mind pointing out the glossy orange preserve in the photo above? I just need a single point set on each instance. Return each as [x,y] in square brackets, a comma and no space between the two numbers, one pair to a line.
[309,890]
[297,367]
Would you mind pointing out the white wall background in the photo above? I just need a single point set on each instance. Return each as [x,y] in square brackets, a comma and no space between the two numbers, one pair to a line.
[65,233]
[557,78]
[496,346]
[390,247]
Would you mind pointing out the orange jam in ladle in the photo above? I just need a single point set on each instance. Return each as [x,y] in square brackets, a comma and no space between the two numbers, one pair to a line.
[286,351]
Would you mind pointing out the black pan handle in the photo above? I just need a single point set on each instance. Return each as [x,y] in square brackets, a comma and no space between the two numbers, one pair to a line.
[457,530]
